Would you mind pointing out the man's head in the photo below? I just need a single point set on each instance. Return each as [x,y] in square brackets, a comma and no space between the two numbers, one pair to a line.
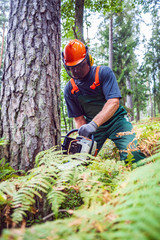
[76,59]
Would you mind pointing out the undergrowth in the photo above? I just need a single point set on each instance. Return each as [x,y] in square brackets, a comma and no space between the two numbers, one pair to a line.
[148,136]
[105,199]
[131,211]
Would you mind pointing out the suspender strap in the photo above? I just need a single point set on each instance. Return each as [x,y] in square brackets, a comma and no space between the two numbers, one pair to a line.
[75,88]
[96,82]
[93,86]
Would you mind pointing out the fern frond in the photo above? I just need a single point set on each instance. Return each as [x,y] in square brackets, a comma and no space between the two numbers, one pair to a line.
[55,198]
[132,213]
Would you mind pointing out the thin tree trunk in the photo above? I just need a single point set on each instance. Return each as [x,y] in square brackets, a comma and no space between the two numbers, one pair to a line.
[129,100]
[64,118]
[154,97]
[138,114]
[79,12]
[111,42]
[2,47]
[30,96]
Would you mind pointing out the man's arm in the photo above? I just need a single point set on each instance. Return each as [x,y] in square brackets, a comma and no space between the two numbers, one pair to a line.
[104,115]
[107,111]
[79,121]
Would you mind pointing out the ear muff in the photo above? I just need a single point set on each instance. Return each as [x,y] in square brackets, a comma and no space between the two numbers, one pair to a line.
[91,61]
[89,57]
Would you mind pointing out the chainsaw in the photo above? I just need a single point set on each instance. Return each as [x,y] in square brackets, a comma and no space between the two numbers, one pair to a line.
[79,144]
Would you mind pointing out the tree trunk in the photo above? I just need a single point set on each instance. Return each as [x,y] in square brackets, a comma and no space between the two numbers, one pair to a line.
[64,117]
[111,42]
[79,10]
[154,96]
[129,100]
[2,47]
[30,93]
[138,114]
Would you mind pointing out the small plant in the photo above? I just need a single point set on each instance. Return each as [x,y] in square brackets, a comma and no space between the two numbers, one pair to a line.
[6,171]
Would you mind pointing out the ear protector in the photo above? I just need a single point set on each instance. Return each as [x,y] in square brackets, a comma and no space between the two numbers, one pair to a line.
[89,58]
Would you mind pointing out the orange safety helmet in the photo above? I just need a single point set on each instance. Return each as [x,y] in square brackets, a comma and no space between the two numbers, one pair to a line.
[74,53]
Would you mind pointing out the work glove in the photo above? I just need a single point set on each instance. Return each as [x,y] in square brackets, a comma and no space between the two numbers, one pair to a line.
[86,130]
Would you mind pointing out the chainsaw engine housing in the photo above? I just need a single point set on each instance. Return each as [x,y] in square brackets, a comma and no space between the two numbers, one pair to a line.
[79,144]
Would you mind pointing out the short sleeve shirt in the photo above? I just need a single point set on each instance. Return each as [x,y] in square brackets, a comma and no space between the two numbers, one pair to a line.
[108,83]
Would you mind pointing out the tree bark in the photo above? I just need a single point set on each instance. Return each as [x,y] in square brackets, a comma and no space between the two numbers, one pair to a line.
[79,12]
[30,92]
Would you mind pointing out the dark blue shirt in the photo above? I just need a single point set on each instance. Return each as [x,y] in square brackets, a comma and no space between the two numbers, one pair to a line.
[108,85]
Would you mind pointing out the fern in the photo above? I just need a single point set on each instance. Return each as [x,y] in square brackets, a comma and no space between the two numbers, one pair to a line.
[45,178]
[55,198]
[6,171]
[131,212]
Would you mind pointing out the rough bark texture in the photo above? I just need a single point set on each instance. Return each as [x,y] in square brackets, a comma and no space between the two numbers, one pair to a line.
[30,93]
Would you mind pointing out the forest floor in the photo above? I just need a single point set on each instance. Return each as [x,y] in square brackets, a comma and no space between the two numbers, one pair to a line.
[106,199]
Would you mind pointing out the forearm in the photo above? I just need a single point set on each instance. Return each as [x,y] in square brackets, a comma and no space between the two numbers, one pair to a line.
[79,121]
[107,111]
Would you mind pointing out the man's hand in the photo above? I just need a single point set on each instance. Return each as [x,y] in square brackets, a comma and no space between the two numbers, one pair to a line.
[86,130]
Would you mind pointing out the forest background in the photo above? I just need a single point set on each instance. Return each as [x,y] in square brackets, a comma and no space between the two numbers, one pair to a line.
[34,116]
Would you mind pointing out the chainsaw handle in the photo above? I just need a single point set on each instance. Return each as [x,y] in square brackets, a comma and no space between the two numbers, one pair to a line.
[72,131]
[76,130]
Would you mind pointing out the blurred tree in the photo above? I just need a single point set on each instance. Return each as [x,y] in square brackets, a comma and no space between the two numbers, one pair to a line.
[125,40]
[4,8]
[152,60]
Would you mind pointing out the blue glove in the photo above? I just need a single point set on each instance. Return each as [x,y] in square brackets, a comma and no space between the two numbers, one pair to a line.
[86,130]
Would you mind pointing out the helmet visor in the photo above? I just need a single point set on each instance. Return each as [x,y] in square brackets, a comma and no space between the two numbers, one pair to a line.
[78,71]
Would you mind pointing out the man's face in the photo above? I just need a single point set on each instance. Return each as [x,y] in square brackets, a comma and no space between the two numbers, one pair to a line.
[79,71]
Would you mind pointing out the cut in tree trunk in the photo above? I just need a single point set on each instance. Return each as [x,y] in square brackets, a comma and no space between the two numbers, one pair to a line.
[30,93]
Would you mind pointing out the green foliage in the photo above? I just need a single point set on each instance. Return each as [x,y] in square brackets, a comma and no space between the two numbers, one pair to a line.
[66,122]
[4,9]
[67,14]
[140,91]
[6,171]
[3,141]
[147,5]
[151,63]
[103,200]
[90,6]
[130,212]
[46,179]
[124,42]
[148,134]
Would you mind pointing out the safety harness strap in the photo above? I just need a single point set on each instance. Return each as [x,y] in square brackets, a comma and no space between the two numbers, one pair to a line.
[74,86]
[96,82]
[93,86]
